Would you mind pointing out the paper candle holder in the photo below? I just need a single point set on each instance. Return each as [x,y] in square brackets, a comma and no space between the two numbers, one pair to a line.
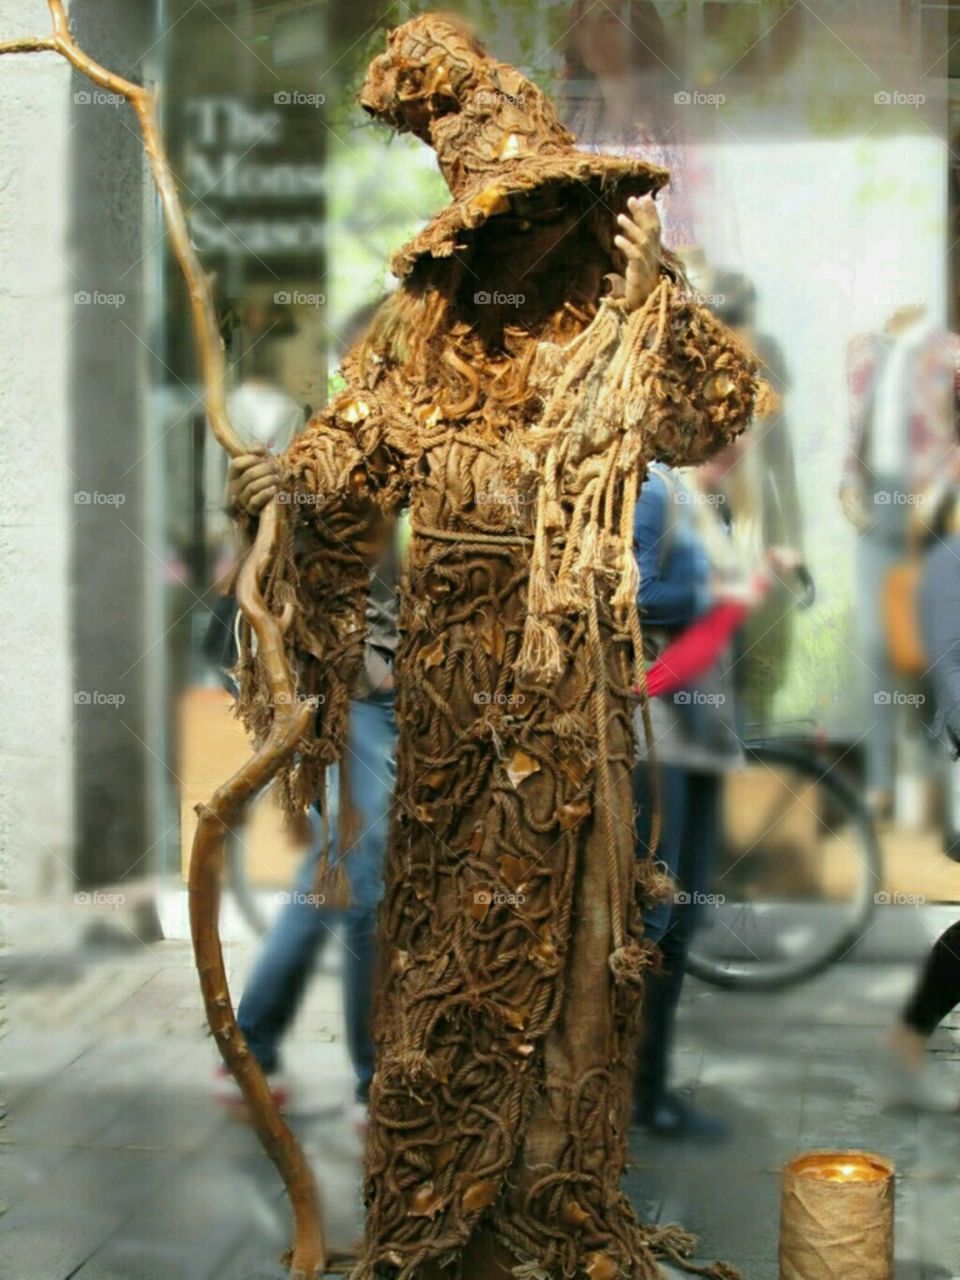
[836,1217]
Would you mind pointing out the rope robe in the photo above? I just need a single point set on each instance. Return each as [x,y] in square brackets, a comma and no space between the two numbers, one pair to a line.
[511,937]
[511,949]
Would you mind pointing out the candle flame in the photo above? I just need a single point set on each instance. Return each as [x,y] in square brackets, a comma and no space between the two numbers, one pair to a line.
[842,1167]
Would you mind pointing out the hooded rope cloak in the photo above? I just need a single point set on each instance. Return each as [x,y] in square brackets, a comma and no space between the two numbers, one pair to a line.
[511,938]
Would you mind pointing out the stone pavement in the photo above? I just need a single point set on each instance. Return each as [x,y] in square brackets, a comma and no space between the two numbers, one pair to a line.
[117,1166]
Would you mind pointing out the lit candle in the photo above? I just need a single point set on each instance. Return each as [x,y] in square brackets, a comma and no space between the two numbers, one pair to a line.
[836,1217]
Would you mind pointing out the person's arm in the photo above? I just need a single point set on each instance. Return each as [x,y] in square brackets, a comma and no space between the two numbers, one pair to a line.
[861,373]
[665,599]
[696,651]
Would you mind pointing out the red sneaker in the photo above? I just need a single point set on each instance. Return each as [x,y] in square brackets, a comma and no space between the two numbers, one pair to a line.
[228,1094]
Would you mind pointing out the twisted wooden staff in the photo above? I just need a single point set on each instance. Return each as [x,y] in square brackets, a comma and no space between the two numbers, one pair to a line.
[290,721]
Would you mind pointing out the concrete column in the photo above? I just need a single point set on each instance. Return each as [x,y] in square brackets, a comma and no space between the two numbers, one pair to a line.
[74,356]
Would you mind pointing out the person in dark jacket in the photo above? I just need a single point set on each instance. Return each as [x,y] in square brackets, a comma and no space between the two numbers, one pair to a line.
[906,1073]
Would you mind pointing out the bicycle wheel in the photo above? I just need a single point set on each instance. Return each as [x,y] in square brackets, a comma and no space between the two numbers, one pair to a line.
[795,877]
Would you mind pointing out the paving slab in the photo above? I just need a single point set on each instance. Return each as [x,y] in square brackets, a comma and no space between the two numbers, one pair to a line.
[118,1166]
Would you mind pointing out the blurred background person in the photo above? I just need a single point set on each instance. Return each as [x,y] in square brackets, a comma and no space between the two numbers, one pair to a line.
[694,743]
[698,585]
[621,74]
[903,383]
[763,502]
[907,1076]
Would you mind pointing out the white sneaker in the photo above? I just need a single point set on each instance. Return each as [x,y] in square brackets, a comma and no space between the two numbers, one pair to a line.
[908,1086]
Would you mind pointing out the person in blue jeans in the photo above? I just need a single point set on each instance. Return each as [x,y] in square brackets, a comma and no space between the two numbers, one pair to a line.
[279,979]
[681,551]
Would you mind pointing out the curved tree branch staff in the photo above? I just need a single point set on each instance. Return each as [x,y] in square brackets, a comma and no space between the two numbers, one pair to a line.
[539,352]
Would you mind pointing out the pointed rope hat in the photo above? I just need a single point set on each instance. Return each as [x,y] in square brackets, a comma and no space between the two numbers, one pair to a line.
[495,134]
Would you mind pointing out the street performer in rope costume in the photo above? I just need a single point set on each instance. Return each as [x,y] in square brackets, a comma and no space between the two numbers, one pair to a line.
[540,351]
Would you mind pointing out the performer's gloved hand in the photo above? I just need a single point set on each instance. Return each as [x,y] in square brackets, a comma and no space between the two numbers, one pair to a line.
[253,480]
[640,244]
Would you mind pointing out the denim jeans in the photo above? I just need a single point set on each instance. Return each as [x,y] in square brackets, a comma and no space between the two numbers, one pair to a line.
[690,811]
[279,978]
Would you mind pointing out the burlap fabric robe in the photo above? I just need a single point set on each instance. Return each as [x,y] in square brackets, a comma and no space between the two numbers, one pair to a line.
[505,1042]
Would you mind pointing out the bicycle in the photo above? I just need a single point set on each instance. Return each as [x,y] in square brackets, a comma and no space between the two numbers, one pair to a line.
[797,874]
